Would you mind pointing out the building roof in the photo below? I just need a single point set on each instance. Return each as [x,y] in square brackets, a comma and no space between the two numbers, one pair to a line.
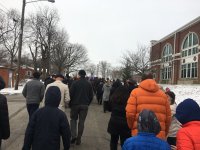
[196,20]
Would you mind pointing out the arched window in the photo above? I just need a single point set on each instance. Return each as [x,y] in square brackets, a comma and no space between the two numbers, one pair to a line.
[167,53]
[190,45]
[189,48]
[166,57]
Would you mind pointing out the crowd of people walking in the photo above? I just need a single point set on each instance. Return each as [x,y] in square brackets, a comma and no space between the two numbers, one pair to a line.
[143,115]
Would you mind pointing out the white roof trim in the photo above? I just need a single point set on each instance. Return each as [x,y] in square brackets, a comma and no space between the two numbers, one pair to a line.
[178,30]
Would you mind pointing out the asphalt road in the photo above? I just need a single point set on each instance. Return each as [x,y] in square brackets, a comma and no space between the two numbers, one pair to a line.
[95,136]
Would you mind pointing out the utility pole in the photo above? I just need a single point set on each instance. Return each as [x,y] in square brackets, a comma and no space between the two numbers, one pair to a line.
[20,45]
[21,39]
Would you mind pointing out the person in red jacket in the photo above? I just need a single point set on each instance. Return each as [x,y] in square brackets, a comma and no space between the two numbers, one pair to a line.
[188,114]
[149,96]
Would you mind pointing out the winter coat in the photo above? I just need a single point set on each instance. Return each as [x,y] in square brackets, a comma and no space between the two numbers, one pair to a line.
[4,118]
[64,93]
[47,81]
[117,123]
[33,91]
[148,96]
[144,141]
[188,137]
[106,91]
[81,92]
[47,125]
[175,124]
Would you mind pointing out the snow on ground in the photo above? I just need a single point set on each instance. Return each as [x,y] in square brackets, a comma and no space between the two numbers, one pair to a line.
[185,91]
[11,91]
[182,91]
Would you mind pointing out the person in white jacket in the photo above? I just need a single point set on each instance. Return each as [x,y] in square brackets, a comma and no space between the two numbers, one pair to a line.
[175,124]
[64,91]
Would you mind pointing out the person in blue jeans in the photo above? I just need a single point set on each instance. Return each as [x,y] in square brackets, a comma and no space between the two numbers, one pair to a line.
[148,127]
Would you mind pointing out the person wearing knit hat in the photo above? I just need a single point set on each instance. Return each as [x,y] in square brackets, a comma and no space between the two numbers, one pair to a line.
[188,114]
[4,116]
[48,124]
[148,127]
[175,124]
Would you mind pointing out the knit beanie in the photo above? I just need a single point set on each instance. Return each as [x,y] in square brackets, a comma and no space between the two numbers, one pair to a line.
[53,96]
[148,122]
[187,111]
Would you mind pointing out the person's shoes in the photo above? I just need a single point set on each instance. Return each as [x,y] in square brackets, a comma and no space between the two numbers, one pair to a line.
[73,140]
[78,141]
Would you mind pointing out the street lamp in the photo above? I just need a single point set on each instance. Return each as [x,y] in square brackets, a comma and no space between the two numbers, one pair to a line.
[21,37]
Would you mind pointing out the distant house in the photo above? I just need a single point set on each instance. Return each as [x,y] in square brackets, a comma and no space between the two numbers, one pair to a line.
[9,75]
[175,59]
[25,73]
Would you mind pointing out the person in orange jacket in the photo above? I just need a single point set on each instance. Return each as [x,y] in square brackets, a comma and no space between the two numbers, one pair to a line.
[188,114]
[148,95]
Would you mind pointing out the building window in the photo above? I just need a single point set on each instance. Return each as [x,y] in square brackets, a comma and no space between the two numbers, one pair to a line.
[190,45]
[166,58]
[166,73]
[29,73]
[189,70]
[167,53]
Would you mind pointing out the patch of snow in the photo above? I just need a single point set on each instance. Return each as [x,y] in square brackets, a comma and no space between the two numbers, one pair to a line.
[11,91]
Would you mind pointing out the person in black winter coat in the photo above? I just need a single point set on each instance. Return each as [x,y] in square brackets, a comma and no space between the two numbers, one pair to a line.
[47,125]
[4,117]
[117,126]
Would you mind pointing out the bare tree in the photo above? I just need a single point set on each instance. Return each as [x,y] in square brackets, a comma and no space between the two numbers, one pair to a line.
[139,59]
[104,67]
[26,59]
[116,73]
[77,57]
[90,68]
[10,34]
[43,25]
[59,53]
[3,55]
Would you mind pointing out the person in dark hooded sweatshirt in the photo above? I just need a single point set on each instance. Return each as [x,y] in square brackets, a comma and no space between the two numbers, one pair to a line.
[148,127]
[47,125]
[4,117]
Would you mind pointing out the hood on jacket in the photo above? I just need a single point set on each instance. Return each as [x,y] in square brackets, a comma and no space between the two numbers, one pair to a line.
[53,96]
[2,83]
[187,111]
[148,122]
[149,85]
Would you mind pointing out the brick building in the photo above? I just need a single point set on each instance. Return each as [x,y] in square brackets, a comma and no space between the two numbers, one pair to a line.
[9,74]
[175,59]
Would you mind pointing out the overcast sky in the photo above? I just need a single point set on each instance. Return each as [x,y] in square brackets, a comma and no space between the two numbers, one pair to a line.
[109,27]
